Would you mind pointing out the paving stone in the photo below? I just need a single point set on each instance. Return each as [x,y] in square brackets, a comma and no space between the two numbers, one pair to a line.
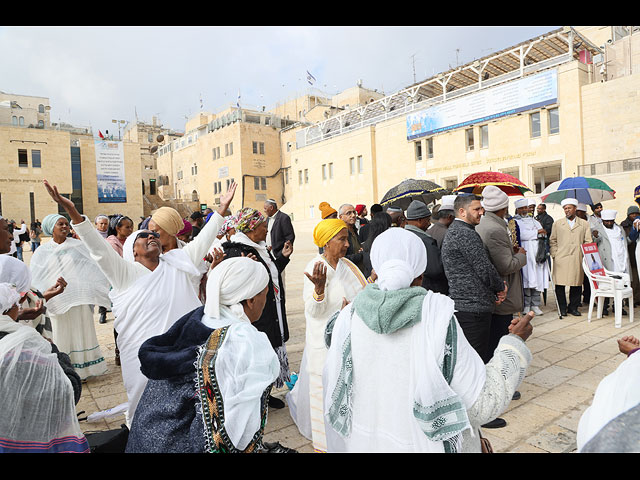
[552,376]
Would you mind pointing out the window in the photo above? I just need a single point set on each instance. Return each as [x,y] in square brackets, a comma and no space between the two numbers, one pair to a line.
[360,164]
[429,147]
[554,121]
[23,161]
[14,120]
[545,175]
[262,148]
[300,177]
[534,124]
[150,137]
[255,147]
[231,148]
[41,108]
[324,171]
[484,136]
[352,166]
[214,154]
[514,172]
[263,183]
[286,176]
[21,120]
[469,138]
[35,159]
[331,170]
[256,183]
[418,150]
[40,123]
[306,175]
[450,183]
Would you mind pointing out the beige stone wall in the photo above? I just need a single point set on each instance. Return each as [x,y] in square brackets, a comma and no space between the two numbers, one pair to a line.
[16,183]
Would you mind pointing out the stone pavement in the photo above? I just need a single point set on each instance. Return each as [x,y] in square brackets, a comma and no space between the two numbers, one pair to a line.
[570,357]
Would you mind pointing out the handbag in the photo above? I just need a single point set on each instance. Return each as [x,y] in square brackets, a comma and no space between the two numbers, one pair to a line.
[109,441]
[485,444]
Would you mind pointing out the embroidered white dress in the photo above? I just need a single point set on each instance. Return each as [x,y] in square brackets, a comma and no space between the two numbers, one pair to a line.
[343,282]
[71,312]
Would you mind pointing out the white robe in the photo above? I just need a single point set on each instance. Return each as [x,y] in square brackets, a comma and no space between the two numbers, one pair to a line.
[146,303]
[619,251]
[534,275]
[616,393]
[344,282]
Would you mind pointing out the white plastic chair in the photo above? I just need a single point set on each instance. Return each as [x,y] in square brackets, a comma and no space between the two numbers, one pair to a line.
[608,286]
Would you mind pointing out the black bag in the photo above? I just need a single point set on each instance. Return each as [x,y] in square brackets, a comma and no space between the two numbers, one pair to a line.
[109,441]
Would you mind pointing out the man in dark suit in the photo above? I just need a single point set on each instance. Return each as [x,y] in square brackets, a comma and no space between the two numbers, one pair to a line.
[280,227]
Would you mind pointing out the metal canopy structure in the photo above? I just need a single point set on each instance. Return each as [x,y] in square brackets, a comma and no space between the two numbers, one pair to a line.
[543,52]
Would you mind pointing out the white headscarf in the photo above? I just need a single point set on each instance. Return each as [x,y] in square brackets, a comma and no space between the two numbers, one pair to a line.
[15,272]
[397,257]
[127,248]
[232,281]
[9,297]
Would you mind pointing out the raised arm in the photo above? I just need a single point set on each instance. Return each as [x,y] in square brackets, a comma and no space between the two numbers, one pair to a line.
[198,248]
[118,271]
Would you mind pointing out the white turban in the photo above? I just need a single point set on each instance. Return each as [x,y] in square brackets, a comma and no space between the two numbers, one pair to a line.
[232,281]
[9,297]
[521,202]
[398,257]
[608,214]
[494,199]
[447,202]
[582,207]
[15,272]
[569,201]
[532,201]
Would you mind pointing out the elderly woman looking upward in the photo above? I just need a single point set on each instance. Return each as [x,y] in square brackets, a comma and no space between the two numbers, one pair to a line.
[71,312]
[150,290]
[250,239]
[330,281]
[211,373]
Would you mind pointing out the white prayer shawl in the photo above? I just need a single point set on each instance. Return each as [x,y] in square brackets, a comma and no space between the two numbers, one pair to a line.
[146,303]
[406,363]
[246,363]
[534,274]
[616,393]
[15,272]
[38,411]
[343,282]
[619,251]
[86,284]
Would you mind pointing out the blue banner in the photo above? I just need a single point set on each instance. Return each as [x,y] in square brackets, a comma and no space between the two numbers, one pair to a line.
[507,99]
[110,172]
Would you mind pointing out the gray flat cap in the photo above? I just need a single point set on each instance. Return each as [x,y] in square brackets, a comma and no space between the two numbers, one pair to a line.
[417,210]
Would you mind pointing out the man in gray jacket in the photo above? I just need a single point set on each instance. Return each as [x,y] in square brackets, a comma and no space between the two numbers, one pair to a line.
[507,259]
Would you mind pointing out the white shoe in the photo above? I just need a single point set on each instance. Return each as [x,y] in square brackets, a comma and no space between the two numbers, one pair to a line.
[537,310]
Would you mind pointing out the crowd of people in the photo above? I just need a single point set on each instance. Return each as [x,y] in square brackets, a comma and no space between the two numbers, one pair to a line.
[431,305]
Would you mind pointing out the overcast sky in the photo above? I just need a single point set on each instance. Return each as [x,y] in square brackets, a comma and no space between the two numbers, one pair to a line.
[93,75]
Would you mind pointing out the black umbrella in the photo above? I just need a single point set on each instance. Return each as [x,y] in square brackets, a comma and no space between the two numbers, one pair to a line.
[411,189]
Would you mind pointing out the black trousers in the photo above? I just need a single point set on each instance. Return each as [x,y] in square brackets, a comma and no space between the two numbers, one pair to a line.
[574,298]
[477,330]
[499,328]
[586,290]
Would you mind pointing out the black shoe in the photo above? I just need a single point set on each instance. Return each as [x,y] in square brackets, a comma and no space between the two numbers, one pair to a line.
[103,317]
[575,313]
[563,313]
[275,402]
[497,423]
[516,396]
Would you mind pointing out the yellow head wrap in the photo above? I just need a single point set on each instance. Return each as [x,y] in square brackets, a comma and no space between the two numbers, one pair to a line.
[326,230]
[168,219]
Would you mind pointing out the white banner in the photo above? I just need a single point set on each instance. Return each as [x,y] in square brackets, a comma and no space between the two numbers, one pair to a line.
[110,172]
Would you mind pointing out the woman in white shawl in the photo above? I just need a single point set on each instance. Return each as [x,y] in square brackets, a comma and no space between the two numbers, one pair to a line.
[150,291]
[330,281]
[38,405]
[210,374]
[250,239]
[400,375]
[71,312]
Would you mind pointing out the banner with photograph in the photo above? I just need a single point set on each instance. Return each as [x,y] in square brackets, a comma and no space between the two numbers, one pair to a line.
[509,98]
[110,172]
[594,262]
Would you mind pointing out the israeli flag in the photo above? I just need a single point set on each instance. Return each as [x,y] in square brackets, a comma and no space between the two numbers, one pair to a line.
[310,78]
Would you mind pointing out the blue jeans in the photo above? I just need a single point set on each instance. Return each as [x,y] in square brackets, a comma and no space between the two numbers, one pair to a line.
[34,245]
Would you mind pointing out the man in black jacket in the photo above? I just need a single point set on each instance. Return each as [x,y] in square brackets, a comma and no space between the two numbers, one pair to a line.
[280,227]
[418,220]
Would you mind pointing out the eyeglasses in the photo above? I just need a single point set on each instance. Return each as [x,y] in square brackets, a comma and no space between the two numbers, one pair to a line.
[148,234]
[351,212]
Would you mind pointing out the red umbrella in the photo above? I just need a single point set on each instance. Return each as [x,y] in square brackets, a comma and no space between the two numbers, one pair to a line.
[476,182]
